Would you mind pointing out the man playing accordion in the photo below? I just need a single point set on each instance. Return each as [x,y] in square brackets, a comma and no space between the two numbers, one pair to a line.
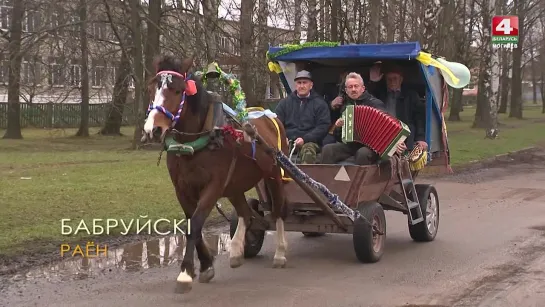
[357,95]
[398,101]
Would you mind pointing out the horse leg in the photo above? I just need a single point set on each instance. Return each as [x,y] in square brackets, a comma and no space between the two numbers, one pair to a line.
[236,257]
[276,190]
[208,197]
[206,259]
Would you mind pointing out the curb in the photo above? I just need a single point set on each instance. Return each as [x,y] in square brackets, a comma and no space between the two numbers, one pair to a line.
[439,171]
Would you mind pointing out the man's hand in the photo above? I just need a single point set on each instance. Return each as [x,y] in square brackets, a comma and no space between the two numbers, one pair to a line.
[337,102]
[299,142]
[401,148]
[423,144]
[374,73]
[339,122]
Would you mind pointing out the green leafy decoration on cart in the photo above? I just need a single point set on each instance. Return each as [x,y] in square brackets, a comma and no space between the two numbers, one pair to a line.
[294,47]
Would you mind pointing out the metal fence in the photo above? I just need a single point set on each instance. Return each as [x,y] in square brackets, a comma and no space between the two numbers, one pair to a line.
[67,115]
[59,115]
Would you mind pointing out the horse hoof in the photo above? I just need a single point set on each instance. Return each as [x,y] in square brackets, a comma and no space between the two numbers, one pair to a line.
[184,283]
[206,275]
[279,262]
[236,261]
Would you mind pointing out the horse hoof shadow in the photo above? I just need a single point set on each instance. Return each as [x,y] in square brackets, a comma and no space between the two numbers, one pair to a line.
[183,287]
[236,262]
[207,275]
[279,262]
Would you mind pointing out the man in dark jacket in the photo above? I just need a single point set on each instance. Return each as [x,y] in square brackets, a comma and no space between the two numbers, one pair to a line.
[400,102]
[305,116]
[357,95]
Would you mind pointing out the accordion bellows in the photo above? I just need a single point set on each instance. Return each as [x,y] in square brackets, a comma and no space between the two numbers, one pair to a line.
[374,128]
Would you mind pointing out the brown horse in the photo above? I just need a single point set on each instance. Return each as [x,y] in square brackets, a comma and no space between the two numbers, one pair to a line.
[226,168]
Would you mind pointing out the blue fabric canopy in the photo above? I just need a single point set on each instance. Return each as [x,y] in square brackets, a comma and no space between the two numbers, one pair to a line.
[397,51]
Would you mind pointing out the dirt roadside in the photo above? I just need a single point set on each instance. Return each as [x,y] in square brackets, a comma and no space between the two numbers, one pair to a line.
[48,252]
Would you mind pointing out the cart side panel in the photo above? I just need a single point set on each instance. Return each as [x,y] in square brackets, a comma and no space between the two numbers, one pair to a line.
[352,183]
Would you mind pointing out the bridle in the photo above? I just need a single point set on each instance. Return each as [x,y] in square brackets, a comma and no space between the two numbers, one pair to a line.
[190,90]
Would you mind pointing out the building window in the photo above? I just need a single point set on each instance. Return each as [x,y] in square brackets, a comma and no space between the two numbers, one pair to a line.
[4,68]
[31,21]
[5,14]
[29,71]
[98,73]
[99,30]
[74,73]
[56,76]
[56,23]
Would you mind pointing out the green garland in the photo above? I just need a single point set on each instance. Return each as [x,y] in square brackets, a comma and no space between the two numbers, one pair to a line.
[239,98]
[287,48]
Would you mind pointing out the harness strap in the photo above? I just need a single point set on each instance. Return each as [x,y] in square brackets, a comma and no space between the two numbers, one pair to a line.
[231,169]
[278,136]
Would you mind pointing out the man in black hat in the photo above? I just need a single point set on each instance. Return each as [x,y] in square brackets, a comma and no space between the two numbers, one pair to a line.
[305,116]
[400,102]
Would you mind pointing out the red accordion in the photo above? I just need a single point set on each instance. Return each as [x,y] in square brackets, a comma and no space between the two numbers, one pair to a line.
[374,128]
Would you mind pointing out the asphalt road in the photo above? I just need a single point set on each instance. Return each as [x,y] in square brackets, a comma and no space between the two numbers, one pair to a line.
[490,251]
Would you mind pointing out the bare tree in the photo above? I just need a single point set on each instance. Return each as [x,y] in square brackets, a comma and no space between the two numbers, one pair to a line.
[14,48]
[523,9]
[246,46]
[136,27]
[84,121]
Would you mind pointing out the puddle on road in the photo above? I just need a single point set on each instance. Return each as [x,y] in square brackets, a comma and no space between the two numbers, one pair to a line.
[132,257]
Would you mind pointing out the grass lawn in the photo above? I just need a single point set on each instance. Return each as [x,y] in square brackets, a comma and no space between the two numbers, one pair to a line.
[51,175]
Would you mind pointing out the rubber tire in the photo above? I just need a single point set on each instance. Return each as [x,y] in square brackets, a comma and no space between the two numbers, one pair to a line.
[313,234]
[362,236]
[419,232]
[250,250]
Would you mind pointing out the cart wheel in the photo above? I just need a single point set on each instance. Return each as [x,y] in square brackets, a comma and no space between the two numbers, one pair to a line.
[426,230]
[313,234]
[253,240]
[368,247]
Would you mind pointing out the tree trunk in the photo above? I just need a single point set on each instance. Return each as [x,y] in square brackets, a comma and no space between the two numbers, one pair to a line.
[542,90]
[374,18]
[152,41]
[84,121]
[335,19]
[246,47]
[533,69]
[297,25]
[402,21]
[312,28]
[456,105]
[460,55]
[210,12]
[136,26]
[322,23]
[263,76]
[114,117]
[14,73]
[515,109]
[504,82]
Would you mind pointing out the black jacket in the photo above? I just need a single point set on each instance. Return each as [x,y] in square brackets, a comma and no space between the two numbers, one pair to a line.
[366,99]
[306,118]
[410,110]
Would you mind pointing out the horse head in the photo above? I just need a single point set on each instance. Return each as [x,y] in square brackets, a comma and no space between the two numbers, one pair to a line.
[173,90]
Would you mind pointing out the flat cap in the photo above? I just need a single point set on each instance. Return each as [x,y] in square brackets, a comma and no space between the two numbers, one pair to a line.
[303,74]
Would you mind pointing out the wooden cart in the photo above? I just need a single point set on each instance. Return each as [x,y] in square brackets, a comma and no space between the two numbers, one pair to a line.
[368,189]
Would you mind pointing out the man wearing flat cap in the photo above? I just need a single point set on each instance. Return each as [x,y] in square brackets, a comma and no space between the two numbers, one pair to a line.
[305,116]
[400,102]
